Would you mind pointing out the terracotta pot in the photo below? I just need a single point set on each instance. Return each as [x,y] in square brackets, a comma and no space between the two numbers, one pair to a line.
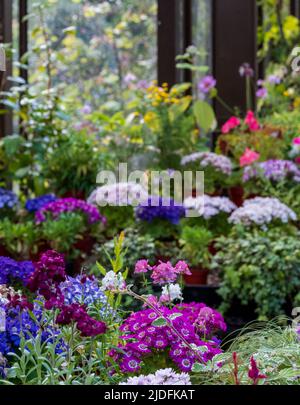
[236,195]
[198,276]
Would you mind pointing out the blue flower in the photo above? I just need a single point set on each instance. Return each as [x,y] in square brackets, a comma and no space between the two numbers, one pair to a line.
[8,199]
[10,269]
[34,204]
[158,207]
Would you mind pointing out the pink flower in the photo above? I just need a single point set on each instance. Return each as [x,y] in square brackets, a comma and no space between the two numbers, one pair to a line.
[151,301]
[296,141]
[182,268]
[163,273]
[142,266]
[248,157]
[232,123]
[251,121]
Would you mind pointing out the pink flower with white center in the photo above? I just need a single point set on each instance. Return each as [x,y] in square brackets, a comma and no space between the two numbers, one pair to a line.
[142,266]
[249,157]
[181,267]
[163,273]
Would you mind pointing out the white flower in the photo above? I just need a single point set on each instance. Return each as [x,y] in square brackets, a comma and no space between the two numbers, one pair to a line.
[262,211]
[118,194]
[113,282]
[173,291]
[218,162]
[165,376]
[208,206]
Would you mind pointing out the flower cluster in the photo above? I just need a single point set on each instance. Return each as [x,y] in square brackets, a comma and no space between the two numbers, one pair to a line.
[275,170]
[230,124]
[118,194]
[250,121]
[10,269]
[208,159]
[56,208]
[20,322]
[160,208]
[113,282]
[208,206]
[162,94]
[87,325]
[165,376]
[262,211]
[177,337]
[49,273]
[8,199]
[163,272]
[248,157]
[82,289]
[35,204]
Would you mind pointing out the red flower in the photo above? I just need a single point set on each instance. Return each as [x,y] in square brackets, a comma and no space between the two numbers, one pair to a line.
[254,373]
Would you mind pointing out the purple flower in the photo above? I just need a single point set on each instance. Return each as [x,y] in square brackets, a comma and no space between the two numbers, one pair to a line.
[246,70]
[55,208]
[273,170]
[142,266]
[12,270]
[274,79]
[8,199]
[208,159]
[160,208]
[262,93]
[206,84]
[34,204]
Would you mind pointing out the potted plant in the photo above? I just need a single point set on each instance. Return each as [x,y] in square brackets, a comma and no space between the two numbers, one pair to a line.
[195,244]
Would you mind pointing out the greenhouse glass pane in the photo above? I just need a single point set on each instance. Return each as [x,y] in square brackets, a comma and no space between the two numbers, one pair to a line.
[99,49]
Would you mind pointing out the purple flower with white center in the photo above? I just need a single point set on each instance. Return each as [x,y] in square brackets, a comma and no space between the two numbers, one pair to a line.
[273,170]
[262,211]
[206,84]
[184,347]
[56,208]
[208,159]
[246,70]
[8,199]
[34,204]
[160,208]
[208,206]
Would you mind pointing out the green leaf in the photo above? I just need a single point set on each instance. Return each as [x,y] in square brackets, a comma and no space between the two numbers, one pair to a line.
[159,322]
[101,268]
[204,115]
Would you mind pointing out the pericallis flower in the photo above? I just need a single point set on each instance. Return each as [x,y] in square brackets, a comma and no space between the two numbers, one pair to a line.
[8,199]
[118,194]
[274,170]
[165,376]
[13,270]
[34,204]
[171,292]
[184,344]
[55,208]
[262,211]
[208,206]
[208,159]
[160,208]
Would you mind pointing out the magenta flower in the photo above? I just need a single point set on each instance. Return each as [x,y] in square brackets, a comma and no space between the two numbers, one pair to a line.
[262,93]
[251,121]
[206,84]
[254,373]
[55,208]
[142,266]
[229,125]
[296,141]
[248,157]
